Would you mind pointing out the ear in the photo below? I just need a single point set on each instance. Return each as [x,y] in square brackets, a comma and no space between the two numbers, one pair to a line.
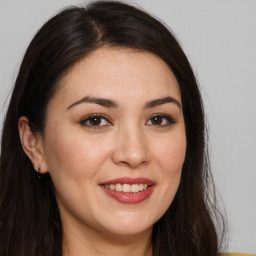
[32,145]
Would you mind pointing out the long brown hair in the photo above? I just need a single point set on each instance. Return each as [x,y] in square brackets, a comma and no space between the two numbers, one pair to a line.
[30,223]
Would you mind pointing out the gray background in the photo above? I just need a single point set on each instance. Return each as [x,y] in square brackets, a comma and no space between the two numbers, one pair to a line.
[219,37]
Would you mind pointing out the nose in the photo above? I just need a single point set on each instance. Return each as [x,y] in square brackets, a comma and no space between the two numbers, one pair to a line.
[130,149]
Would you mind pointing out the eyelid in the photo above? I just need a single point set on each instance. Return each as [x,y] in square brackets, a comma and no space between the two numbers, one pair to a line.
[168,117]
[170,120]
[88,117]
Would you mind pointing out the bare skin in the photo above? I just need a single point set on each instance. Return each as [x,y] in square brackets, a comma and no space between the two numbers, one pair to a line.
[118,114]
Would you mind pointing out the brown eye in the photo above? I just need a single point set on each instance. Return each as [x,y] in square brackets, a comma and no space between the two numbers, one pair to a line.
[157,120]
[95,121]
[161,120]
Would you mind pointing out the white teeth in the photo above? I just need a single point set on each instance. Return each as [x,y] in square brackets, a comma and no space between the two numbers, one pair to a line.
[141,187]
[126,188]
[119,187]
[134,188]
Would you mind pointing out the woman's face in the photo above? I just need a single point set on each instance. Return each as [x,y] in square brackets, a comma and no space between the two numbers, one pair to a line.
[114,142]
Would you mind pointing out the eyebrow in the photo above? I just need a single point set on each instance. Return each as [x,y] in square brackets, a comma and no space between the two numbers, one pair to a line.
[162,101]
[112,104]
[100,101]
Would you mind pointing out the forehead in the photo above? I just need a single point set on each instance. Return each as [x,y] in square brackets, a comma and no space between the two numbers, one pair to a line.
[120,73]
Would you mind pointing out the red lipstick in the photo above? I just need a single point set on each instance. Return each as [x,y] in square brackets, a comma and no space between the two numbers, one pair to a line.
[128,190]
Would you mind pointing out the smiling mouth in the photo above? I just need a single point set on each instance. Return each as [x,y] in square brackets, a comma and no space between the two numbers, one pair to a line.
[127,188]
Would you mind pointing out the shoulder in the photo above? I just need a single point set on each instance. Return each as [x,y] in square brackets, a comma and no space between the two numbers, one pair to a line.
[237,254]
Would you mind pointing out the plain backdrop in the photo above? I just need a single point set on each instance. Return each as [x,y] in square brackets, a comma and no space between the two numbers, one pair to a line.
[219,38]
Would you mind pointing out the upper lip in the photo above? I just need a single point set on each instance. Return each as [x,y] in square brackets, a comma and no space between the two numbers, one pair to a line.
[129,180]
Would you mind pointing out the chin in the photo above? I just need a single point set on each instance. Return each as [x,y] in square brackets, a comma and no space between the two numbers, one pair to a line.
[131,231]
[127,225]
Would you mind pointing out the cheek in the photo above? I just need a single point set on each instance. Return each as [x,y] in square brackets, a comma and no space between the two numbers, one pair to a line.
[170,153]
[74,155]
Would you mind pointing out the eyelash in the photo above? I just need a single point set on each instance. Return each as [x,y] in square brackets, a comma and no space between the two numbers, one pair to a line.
[170,120]
[85,122]
[89,118]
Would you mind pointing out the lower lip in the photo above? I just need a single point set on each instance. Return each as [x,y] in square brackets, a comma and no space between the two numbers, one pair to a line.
[129,198]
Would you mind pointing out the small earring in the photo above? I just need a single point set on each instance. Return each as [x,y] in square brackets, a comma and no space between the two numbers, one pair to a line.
[38,172]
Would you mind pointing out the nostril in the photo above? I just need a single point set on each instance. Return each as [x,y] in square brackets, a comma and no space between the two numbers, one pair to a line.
[132,164]
[130,150]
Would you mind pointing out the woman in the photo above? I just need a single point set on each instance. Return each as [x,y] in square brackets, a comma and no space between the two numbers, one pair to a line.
[103,145]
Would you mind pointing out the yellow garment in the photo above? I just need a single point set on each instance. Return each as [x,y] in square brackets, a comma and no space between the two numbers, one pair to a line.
[237,254]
